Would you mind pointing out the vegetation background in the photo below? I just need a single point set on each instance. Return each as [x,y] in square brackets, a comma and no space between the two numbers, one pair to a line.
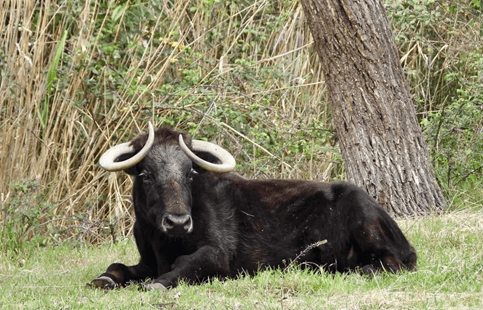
[77,77]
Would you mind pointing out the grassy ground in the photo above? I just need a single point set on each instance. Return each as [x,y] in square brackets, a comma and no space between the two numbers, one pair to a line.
[449,275]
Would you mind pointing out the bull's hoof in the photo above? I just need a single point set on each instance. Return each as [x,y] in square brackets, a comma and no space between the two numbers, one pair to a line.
[153,286]
[369,270]
[104,282]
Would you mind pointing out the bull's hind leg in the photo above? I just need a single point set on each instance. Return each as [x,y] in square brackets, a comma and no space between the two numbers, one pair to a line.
[384,247]
[386,263]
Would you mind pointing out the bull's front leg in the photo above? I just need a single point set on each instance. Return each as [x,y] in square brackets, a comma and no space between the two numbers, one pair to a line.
[206,262]
[118,274]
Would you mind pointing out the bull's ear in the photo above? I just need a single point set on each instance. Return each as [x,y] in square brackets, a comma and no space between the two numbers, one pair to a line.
[134,170]
[207,157]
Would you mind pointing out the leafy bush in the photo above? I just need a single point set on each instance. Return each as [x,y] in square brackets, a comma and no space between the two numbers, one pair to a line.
[441,50]
[24,217]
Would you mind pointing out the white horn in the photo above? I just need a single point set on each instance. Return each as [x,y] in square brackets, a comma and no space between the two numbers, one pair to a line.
[107,160]
[228,163]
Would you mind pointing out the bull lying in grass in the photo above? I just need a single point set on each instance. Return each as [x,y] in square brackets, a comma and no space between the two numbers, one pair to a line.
[195,220]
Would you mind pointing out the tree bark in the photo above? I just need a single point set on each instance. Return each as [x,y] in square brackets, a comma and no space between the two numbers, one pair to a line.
[379,135]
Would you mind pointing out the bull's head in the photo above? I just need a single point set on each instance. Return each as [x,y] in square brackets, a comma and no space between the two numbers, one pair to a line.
[163,170]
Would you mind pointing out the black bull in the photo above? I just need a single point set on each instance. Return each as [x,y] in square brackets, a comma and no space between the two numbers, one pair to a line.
[194,224]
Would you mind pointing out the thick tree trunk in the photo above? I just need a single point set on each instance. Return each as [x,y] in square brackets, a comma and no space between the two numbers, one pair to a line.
[379,135]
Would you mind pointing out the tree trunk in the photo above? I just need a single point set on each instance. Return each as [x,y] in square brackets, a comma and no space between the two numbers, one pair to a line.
[379,135]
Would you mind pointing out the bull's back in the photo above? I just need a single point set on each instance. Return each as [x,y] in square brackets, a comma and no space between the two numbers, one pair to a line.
[277,220]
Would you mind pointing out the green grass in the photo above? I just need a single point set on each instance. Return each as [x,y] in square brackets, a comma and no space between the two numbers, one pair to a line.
[449,275]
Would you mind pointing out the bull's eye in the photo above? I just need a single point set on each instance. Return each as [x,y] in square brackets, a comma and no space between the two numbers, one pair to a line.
[146,177]
[189,175]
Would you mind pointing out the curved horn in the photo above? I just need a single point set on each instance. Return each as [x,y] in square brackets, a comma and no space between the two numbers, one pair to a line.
[107,160]
[228,163]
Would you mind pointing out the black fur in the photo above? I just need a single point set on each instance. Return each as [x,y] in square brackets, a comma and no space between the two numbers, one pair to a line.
[241,225]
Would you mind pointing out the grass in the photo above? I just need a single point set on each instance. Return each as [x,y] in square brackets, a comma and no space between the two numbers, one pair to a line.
[449,276]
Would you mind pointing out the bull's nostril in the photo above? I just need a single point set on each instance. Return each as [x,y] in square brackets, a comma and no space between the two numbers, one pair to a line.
[188,226]
[168,223]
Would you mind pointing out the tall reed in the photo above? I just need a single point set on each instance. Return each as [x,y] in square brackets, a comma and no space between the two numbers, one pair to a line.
[78,78]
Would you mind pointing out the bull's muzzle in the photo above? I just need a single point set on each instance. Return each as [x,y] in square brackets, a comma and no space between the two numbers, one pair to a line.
[177,224]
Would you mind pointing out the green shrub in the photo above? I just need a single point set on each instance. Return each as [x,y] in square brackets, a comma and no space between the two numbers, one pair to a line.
[441,51]
[24,218]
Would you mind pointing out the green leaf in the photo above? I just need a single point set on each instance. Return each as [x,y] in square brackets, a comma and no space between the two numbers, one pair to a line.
[118,12]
